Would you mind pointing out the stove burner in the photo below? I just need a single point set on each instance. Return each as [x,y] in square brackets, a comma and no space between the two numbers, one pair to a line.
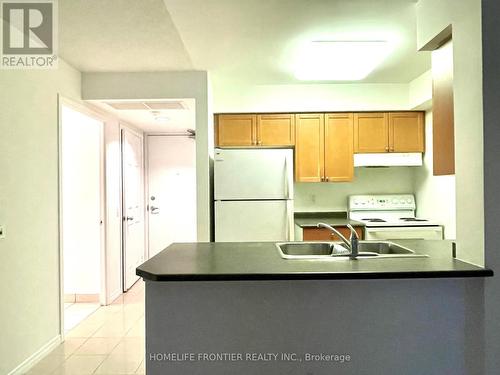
[374,220]
[411,219]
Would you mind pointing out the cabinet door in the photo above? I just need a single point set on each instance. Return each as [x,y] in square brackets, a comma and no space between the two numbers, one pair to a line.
[309,147]
[339,165]
[276,130]
[371,132]
[406,132]
[236,130]
[323,234]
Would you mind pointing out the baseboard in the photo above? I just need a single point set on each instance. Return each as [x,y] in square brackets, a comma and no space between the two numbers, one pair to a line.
[33,359]
[81,298]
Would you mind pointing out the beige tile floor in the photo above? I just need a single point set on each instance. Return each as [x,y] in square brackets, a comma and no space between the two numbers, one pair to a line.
[110,341]
[75,313]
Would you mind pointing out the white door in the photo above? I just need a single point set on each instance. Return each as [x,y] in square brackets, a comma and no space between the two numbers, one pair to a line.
[133,206]
[253,174]
[244,221]
[171,191]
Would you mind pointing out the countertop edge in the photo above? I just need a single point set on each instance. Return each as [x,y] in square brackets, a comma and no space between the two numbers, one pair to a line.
[486,272]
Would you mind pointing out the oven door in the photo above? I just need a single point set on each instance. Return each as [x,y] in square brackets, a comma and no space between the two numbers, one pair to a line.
[404,233]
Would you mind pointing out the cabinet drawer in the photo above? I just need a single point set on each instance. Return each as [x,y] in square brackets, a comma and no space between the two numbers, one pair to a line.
[323,234]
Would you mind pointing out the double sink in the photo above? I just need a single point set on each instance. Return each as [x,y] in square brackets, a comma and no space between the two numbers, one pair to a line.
[337,250]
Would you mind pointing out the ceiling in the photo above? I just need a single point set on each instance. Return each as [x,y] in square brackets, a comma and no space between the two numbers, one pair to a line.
[119,35]
[248,41]
[176,115]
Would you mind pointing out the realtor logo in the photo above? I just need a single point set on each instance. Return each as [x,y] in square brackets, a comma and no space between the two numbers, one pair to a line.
[28,34]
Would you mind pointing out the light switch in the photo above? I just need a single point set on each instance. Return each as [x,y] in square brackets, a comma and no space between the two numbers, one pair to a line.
[2,231]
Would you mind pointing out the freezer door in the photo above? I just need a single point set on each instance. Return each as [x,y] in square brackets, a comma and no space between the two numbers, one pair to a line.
[246,221]
[253,174]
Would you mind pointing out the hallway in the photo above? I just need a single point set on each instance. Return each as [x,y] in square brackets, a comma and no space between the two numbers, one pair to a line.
[109,341]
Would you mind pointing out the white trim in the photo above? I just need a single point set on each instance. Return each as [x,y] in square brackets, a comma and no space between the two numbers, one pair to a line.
[146,194]
[60,101]
[126,127]
[33,359]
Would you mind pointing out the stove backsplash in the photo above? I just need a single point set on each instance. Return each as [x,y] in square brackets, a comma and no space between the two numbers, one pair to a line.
[324,196]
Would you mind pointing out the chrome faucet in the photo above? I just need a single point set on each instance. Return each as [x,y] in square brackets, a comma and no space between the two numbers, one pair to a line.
[352,243]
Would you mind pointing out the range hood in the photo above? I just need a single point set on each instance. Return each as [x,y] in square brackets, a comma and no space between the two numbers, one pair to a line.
[393,159]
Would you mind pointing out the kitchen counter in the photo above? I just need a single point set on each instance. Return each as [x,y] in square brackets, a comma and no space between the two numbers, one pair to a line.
[311,219]
[199,303]
[261,261]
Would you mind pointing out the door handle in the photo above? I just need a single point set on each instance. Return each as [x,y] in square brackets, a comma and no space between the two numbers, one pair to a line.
[129,218]
[154,210]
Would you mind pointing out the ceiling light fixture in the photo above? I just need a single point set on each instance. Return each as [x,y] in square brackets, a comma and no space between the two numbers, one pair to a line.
[331,60]
[160,117]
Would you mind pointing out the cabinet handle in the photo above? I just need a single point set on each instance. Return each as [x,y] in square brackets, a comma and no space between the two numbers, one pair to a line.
[387,149]
[327,180]
[259,143]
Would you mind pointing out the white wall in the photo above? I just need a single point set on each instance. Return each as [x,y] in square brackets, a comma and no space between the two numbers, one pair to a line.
[230,97]
[165,85]
[29,255]
[465,16]
[435,195]
[420,92]
[81,196]
[320,197]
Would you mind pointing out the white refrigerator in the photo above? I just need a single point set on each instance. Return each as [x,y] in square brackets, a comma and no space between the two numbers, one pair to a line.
[253,190]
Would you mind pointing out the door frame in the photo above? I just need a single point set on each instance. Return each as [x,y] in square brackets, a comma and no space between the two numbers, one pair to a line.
[146,178]
[123,126]
[87,111]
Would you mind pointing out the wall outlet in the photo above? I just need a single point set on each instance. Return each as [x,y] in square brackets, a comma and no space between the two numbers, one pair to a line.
[2,231]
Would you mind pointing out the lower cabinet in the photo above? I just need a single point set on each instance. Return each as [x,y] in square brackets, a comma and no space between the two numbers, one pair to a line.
[323,234]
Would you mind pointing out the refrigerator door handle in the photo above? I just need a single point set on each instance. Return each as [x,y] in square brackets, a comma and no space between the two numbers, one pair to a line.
[289,176]
[287,194]
[289,221]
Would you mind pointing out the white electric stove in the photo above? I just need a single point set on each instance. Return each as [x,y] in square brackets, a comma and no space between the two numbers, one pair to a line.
[391,217]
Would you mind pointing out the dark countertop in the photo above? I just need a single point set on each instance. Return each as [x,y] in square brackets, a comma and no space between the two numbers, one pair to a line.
[205,261]
[311,219]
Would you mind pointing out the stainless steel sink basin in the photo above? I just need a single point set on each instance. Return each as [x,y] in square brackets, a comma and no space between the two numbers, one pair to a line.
[298,250]
[336,250]
[383,248]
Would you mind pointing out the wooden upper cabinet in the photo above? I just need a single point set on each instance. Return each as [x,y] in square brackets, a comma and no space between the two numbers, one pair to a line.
[276,130]
[241,130]
[235,130]
[406,132]
[309,147]
[339,165]
[371,132]
[443,128]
